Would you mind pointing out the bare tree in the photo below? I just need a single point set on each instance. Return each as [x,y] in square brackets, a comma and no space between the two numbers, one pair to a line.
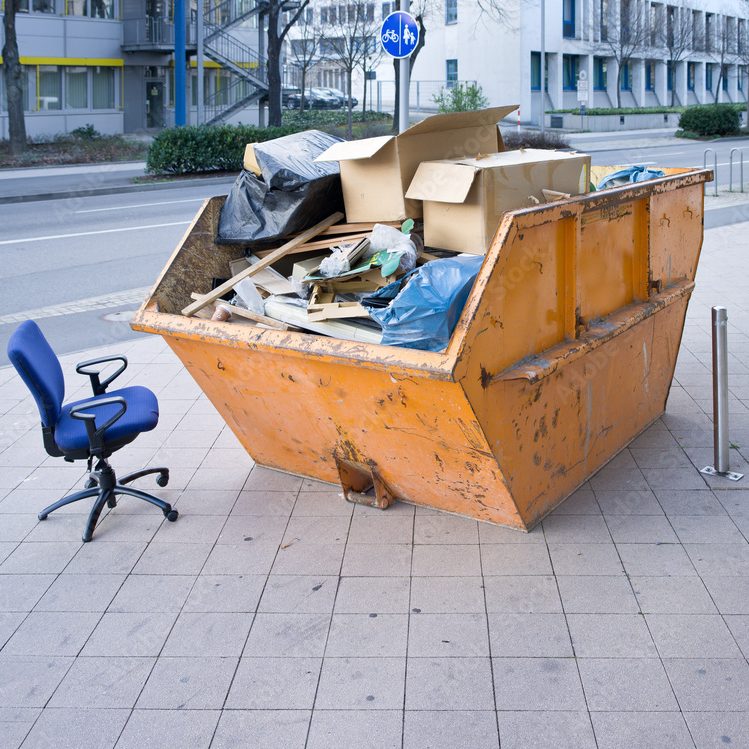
[724,51]
[280,20]
[305,49]
[625,39]
[347,44]
[677,37]
[13,72]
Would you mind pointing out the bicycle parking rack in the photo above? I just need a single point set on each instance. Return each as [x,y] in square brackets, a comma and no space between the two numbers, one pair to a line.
[741,169]
[715,169]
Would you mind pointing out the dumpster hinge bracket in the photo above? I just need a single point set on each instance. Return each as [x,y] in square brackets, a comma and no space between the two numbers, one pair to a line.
[359,479]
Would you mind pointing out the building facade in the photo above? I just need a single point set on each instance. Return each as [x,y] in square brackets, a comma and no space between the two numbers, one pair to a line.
[632,53]
[110,64]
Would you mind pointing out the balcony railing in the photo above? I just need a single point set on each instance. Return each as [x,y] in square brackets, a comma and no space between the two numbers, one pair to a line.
[152,32]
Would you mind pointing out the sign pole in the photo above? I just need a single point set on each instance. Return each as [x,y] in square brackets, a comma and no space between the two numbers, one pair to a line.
[180,57]
[201,64]
[543,66]
[405,82]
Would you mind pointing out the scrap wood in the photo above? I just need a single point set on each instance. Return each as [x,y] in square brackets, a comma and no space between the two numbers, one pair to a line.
[356,228]
[320,244]
[336,311]
[267,261]
[343,329]
[248,315]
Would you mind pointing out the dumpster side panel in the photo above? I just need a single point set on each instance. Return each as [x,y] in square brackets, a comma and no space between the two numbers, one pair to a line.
[566,425]
[297,414]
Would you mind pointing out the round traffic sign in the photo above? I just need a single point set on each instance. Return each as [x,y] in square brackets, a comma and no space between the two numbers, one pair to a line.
[399,34]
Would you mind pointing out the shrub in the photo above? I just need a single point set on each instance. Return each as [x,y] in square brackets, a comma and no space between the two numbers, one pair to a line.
[322,119]
[86,132]
[206,148]
[533,139]
[710,120]
[461,98]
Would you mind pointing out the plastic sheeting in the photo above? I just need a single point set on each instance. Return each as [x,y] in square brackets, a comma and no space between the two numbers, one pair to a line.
[629,174]
[421,309]
[292,193]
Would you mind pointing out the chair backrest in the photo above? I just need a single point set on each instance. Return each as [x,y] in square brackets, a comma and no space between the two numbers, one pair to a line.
[39,368]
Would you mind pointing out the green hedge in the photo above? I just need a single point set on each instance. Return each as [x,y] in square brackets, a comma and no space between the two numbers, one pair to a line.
[601,111]
[710,120]
[208,148]
[321,119]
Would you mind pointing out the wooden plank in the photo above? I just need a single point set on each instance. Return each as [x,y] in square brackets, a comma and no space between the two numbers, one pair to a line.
[241,312]
[268,260]
[318,244]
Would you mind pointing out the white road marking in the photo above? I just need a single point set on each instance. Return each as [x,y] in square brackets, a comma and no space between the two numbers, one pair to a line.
[140,205]
[118,299]
[23,240]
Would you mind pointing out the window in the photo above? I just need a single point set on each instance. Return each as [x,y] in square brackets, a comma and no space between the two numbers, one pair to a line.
[49,93]
[653,24]
[670,65]
[451,72]
[626,78]
[741,46]
[535,71]
[103,88]
[709,32]
[323,15]
[370,12]
[691,75]
[76,88]
[740,73]
[568,19]
[570,69]
[697,40]
[90,8]
[309,16]
[387,9]
[724,77]
[708,77]
[451,11]
[604,12]
[649,75]
[670,25]
[600,77]
[43,6]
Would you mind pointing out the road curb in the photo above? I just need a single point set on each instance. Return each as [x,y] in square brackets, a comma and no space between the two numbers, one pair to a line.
[93,192]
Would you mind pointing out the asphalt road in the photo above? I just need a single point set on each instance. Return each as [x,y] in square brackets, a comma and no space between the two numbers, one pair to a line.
[80,266]
[77,264]
[684,153]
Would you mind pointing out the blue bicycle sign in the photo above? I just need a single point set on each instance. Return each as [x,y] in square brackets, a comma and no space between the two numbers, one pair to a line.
[399,34]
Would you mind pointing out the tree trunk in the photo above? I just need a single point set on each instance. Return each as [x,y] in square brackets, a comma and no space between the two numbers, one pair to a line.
[364,93]
[619,88]
[349,114]
[304,83]
[13,72]
[275,45]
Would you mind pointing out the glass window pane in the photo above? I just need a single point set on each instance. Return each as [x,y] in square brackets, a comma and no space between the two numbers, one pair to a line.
[76,88]
[102,8]
[103,84]
[50,87]
[44,6]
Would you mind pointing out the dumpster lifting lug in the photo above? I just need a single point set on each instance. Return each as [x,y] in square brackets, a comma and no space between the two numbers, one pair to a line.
[357,479]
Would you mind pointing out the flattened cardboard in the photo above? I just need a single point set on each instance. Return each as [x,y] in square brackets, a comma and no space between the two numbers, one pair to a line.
[376,172]
[464,199]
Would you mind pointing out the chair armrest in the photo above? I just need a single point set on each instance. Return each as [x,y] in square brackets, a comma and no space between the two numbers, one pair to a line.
[96,435]
[98,387]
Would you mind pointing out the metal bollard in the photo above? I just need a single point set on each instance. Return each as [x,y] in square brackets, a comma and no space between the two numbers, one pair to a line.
[715,169]
[740,151]
[721,445]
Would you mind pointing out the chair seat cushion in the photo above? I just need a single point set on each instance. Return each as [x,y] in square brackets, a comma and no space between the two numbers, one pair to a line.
[142,415]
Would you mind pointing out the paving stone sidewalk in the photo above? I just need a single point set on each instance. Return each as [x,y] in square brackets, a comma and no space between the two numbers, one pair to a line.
[274,614]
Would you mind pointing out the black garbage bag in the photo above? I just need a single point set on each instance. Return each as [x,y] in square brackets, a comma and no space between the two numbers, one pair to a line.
[292,194]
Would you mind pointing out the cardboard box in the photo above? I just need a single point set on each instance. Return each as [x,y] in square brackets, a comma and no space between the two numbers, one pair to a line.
[376,172]
[464,199]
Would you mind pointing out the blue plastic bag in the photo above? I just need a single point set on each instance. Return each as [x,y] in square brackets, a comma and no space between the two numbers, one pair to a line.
[423,307]
[629,174]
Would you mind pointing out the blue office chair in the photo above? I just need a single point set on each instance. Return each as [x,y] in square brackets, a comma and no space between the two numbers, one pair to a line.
[90,429]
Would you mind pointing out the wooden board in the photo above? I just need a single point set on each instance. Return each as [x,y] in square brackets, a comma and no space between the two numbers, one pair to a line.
[267,261]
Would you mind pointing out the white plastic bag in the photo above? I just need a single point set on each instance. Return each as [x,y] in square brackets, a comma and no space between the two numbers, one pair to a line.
[249,297]
[389,238]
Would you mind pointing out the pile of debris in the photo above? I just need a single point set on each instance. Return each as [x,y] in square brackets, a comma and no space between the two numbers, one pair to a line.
[378,240]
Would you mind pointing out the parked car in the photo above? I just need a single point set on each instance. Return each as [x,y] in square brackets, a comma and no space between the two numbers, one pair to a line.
[332,101]
[341,96]
[312,100]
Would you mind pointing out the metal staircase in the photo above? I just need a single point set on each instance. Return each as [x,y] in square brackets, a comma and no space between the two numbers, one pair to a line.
[249,79]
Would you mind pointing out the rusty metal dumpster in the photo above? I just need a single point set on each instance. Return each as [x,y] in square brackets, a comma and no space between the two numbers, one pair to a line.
[564,353]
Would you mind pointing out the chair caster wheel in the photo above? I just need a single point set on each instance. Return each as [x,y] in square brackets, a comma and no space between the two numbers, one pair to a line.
[171,515]
[41,516]
[163,479]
